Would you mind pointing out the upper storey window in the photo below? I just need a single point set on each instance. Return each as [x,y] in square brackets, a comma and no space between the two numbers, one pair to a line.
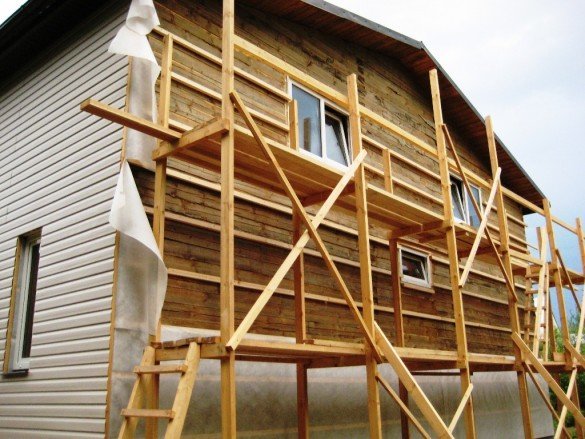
[463,209]
[322,128]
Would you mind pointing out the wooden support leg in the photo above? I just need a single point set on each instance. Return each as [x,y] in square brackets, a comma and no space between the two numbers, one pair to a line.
[300,333]
[399,326]
[365,258]
[456,289]
[227,320]
[302,402]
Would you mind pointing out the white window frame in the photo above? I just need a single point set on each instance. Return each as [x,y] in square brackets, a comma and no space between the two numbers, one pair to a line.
[22,297]
[324,104]
[427,268]
[465,202]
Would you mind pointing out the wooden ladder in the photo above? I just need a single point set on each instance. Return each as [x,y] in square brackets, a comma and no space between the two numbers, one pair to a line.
[145,378]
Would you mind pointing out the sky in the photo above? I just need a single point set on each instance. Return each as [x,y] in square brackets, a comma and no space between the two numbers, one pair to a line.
[523,63]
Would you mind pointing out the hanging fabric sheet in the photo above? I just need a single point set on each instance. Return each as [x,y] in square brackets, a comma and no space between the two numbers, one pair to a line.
[132,40]
[142,275]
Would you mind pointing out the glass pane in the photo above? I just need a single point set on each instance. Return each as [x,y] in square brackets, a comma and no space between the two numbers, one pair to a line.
[335,140]
[458,209]
[473,216]
[30,303]
[309,118]
[414,266]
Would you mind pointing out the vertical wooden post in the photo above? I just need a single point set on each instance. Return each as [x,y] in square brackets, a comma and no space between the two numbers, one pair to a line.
[456,290]
[388,181]
[396,271]
[365,260]
[227,319]
[512,306]
[555,264]
[293,121]
[158,220]
[300,332]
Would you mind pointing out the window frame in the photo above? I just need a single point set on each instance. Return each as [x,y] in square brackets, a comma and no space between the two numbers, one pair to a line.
[427,268]
[466,203]
[326,106]
[20,316]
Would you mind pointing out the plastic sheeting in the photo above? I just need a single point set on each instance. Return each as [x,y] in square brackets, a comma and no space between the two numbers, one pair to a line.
[266,400]
[131,40]
[142,275]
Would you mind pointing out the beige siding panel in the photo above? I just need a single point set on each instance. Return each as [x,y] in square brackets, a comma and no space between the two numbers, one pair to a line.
[58,170]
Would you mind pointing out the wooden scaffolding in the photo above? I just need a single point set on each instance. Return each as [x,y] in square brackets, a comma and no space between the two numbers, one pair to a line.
[242,152]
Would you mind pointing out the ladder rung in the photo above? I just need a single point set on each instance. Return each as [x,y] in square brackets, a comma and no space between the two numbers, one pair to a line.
[179,368]
[148,413]
[529,308]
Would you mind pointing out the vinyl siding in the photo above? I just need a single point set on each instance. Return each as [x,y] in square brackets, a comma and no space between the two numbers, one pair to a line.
[58,169]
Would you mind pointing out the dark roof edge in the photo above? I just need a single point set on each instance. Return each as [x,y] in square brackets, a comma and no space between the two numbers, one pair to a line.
[358,19]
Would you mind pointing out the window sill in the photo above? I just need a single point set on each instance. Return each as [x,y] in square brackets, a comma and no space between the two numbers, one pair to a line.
[15,373]
[422,288]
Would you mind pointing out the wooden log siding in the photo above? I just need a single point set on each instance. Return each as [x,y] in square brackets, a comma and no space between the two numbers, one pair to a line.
[58,169]
[263,240]
[264,226]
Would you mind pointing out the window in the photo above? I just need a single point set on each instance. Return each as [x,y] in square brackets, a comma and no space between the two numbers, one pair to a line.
[463,209]
[322,128]
[23,302]
[415,267]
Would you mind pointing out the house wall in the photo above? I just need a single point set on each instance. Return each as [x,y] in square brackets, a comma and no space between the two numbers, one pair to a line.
[385,87]
[58,169]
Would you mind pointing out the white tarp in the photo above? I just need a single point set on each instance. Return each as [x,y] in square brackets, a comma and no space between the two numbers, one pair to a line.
[131,40]
[141,266]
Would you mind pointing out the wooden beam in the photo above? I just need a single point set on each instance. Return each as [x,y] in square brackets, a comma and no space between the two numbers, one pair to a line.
[508,278]
[184,391]
[319,197]
[129,120]
[541,292]
[138,395]
[512,300]
[227,202]
[308,224]
[300,333]
[212,128]
[297,249]
[293,121]
[565,271]
[460,408]
[545,397]
[549,380]
[480,229]
[403,407]
[366,283]
[388,179]
[557,278]
[450,236]
[404,375]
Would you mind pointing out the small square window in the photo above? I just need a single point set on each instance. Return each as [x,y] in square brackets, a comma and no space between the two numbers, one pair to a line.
[323,130]
[415,267]
[22,306]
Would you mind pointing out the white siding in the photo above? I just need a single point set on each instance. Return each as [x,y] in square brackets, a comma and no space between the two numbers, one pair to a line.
[58,169]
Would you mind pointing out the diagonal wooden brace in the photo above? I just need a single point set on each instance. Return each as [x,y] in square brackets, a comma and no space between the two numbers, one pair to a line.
[481,229]
[271,287]
[509,281]
[403,406]
[460,409]
[297,205]
[579,418]
[575,353]
[404,375]
[545,397]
